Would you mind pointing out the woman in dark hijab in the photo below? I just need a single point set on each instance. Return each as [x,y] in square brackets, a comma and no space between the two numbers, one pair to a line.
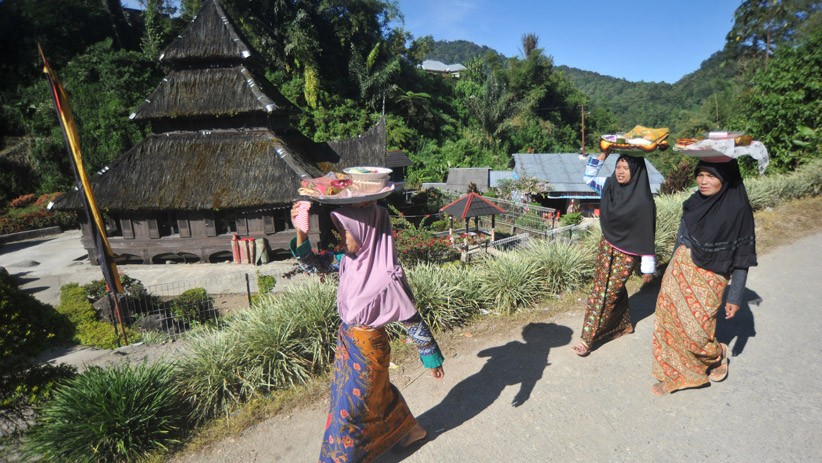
[628,222]
[715,243]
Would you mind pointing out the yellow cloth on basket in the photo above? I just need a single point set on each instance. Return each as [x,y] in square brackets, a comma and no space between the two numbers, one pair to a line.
[652,135]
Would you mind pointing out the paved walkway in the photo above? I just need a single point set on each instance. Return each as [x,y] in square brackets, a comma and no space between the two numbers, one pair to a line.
[526,398]
[47,263]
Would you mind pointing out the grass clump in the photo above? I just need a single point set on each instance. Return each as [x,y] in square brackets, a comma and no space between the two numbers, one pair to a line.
[281,341]
[122,414]
[508,283]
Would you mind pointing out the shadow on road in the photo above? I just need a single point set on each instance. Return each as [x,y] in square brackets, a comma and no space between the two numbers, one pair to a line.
[741,327]
[642,303]
[507,365]
[19,245]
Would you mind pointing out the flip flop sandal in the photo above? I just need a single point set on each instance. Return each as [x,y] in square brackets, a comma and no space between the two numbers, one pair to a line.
[660,389]
[583,353]
[720,372]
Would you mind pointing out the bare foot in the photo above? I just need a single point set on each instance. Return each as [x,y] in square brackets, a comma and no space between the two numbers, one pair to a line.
[580,349]
[416,434]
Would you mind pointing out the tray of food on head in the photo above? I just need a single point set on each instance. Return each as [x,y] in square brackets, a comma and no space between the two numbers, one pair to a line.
[636,141]
[352,186]
[723,147]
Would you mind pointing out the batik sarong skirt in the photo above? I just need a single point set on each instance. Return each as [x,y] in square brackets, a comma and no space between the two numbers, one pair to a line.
[368,415]
[606,312]
[685,323]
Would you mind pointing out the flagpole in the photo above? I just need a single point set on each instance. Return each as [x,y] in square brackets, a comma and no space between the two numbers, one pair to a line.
[98,231]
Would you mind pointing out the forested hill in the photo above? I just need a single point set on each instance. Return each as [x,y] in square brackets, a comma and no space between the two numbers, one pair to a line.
[659,104]
[457,51]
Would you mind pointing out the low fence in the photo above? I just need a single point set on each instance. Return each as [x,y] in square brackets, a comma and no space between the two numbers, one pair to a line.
[173,308]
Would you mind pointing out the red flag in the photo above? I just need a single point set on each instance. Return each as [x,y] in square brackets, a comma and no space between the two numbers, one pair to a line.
[98,229]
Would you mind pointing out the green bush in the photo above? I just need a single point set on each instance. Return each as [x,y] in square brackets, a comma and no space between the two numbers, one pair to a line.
[102,335]
[266,283]
[132,287]
[193,305]
[75,305]
[122,414]
[574,218]
[88,330]
[27,327]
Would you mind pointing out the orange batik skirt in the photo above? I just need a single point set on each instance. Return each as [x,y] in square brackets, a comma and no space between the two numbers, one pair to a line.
[685,323]
[368,415]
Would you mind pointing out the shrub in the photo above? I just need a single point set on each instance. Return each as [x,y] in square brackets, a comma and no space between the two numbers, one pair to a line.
[122,413]
[573,218]
[415,246]
[28,327]
[132,287]
[22,201]
[104,335]
[88,330]
[266,283]
[194,305]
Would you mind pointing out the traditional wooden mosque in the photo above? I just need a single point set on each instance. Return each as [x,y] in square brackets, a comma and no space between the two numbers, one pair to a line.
[222,157]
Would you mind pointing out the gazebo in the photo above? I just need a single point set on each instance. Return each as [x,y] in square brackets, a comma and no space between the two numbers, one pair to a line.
[472,205]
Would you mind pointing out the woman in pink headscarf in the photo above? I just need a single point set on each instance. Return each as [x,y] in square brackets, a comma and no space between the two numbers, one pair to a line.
[368,415]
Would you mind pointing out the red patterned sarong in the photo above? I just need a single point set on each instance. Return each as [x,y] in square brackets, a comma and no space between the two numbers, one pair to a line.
[368,414]
[685,322]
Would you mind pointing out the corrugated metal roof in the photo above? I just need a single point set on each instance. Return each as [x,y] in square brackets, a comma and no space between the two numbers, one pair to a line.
[564,171]
[495,176]
[460,177]
[438,66]
[471,205]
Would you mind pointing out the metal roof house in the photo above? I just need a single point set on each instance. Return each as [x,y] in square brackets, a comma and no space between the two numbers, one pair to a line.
[222,156]
[564,171]
[437,67]
[459,178]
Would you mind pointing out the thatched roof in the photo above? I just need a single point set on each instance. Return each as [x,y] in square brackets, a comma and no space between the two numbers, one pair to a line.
[196,171]
[221,169]
[471,205]
[366,150]
[213,92]
[210,37]
[397,159]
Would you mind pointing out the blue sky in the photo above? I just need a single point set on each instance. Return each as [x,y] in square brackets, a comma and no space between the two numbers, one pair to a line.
[638,40]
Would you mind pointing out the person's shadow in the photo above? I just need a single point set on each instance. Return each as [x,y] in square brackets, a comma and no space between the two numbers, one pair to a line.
[507,365]
[741,327]
[642,303]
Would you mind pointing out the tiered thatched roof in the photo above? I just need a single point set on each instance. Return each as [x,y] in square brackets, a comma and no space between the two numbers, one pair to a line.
[217,92]
[221,136]
[196,171]
[210,37]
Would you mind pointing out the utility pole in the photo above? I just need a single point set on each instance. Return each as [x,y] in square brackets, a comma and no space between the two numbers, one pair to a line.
[583,129]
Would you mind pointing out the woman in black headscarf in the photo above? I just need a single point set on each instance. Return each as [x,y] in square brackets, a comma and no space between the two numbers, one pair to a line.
[715,243]
[628,222]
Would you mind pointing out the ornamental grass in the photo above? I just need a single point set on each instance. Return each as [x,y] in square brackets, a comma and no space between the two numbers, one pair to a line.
[121,413]
[279,342]
[507,282]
